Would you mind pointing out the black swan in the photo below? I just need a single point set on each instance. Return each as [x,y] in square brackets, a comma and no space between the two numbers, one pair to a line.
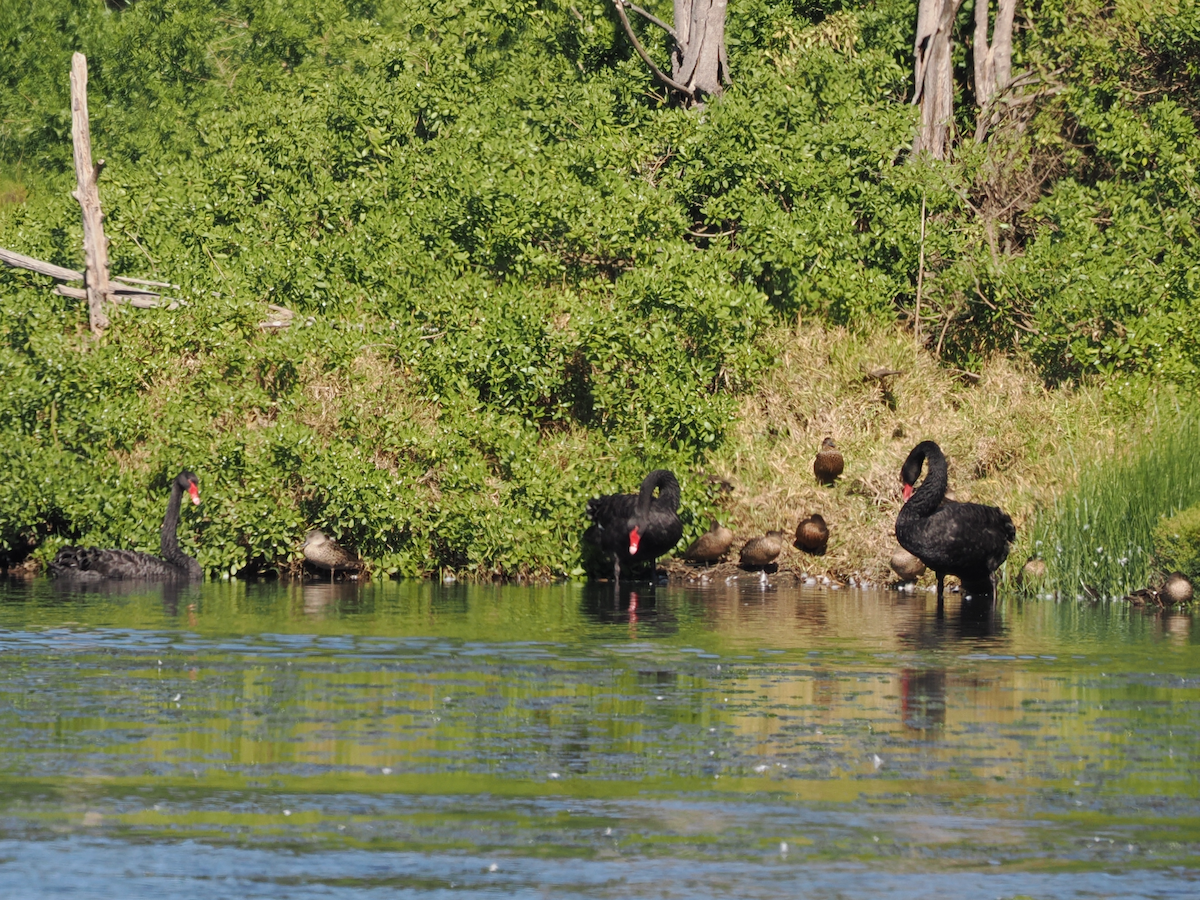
[638,527]
[761,551]
[94,564]
[326,553]
[711,545]
[969,540]
[812,534]
[829,463]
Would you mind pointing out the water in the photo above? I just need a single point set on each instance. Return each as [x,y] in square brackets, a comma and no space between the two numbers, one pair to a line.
[413,740]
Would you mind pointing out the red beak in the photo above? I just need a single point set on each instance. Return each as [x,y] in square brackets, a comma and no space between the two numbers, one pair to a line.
[194,493]
[635,538]
[907,492]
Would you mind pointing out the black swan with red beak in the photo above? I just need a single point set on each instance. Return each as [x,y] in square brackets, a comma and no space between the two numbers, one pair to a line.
[969,540]
[636,528]
[94,564]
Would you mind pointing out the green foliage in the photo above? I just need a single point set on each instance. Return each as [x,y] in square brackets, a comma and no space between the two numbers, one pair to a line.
[520,275]
[1177,543]
[1104,534]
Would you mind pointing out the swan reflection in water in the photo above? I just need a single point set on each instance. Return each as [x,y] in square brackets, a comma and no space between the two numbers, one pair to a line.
[174,595]
[925,691]
[635,605]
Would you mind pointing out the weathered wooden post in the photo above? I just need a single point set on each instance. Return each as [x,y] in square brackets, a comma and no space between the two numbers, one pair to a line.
[95,246]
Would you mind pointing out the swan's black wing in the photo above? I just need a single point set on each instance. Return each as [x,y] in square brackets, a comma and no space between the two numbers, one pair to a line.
[965,539]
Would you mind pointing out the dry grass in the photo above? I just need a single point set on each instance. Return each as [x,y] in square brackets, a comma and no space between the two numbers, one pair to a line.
[1009,441]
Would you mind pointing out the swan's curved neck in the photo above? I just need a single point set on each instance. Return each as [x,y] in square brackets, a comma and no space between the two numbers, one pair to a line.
[168,545]
[928,496]
[668,491]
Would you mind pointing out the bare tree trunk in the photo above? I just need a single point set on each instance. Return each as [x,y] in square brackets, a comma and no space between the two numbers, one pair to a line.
[699,63]
[95,245]
[993,65]
[699,60]
[934,75]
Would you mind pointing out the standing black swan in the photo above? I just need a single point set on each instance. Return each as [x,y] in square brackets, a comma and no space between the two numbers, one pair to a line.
[637,527]
[94,564]
[969,540]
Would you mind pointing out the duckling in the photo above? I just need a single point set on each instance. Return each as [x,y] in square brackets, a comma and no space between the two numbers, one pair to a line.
[326,553]
[829,463]
[711,545]
[761,551]
[907,566]
[812,534]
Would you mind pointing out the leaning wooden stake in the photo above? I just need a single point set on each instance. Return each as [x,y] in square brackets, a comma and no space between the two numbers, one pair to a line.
[95,247]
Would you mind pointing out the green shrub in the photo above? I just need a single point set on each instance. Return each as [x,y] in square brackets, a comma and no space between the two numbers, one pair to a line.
[1177,543]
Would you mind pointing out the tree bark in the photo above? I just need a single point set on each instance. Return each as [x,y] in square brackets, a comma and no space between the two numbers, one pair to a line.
[95,245]
[699,63]
[699,60]
[993,64]
[934,76]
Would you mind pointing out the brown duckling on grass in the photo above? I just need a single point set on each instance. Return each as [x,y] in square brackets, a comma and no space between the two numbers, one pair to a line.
[761,551]
[812,534]
[829,463]
[711,545]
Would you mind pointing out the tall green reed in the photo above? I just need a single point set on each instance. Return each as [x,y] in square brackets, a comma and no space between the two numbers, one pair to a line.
[1099,536]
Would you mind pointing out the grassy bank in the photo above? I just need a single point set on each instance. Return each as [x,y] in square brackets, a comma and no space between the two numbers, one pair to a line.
[347,442]
[1097,537]
[1010,440]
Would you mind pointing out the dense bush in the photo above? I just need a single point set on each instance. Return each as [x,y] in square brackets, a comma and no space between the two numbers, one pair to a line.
[1177,543]
[521,276]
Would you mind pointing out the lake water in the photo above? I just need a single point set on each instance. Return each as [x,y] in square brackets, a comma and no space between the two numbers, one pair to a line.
[412,740]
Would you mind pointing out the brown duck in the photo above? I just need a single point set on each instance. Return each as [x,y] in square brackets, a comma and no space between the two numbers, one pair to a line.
[1177,590]
[711,545]
[761,551]
[326,553]
[829,463]
[1033,572]
[812,534]
[907,566]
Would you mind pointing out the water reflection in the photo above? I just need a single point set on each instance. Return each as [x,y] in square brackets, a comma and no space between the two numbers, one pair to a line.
[923,698]
[969,623]
[579,723]
[635,605]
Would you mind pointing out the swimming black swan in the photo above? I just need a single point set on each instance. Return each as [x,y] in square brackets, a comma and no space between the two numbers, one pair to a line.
[94,564]
[828,464]
[711,545]
[637,527]
[969,540]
